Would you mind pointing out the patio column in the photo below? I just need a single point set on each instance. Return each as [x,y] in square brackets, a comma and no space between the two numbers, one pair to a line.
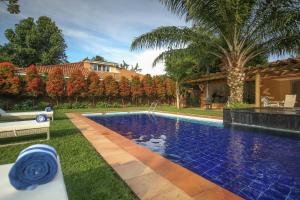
[257,90]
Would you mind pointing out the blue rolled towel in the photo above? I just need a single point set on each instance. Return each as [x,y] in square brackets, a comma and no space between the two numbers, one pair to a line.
[41,118]
[35,165]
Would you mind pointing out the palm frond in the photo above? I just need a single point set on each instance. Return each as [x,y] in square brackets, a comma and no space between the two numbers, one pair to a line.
[164,37]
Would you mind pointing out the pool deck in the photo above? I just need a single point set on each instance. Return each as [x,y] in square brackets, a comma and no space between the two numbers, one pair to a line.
[149,175]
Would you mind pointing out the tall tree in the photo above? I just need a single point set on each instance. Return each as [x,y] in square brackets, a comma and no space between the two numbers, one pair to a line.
[55,85]
[160,88]
[93,83]
[76,85]
[101,88]
[9,83]
[111,87]
[178,68]
[136,89]
[124,87]
[39,43]
[148,87]
[232,30]
[34,83]
[170,89]
[12,6]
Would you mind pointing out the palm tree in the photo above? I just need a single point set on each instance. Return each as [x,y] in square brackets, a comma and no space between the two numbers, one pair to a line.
[234,31]
[177,68]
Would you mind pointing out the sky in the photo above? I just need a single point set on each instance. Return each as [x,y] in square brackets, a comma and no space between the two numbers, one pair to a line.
[99,27]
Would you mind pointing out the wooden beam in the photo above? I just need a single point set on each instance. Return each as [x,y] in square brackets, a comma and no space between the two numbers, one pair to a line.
[257,90]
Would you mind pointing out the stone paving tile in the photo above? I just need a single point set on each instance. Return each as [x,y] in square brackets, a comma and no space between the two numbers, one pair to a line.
[172,195]
[132,169]
[215,193]
[119,159]
[152,185]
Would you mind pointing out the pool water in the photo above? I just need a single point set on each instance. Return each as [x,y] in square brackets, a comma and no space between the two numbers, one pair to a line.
[251,164]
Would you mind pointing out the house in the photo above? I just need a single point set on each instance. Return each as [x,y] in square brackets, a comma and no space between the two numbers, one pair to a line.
[274,80]
[103,69]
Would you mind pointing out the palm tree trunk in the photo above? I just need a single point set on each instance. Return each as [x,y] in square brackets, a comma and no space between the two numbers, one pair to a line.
[235,80]
[177,95]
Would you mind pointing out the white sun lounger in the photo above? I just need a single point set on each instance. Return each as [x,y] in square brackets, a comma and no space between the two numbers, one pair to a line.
[21,128]
[24,115]
[55,189]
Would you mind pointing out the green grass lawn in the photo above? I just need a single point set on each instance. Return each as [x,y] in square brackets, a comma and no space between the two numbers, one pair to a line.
[86,174]
[194,111]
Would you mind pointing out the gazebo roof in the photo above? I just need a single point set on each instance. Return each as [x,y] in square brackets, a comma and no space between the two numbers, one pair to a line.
[279,69]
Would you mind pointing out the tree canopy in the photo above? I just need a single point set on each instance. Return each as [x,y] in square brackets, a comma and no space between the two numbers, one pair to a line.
[98,58]
[9,82]
[55,84]
[34,83]
[37,42]
[12,6]
[76,85]
[111,87]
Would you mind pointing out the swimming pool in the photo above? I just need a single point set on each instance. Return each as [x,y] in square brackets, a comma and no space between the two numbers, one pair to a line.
[254,165]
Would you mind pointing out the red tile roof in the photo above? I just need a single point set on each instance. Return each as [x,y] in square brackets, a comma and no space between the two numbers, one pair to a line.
[69,68]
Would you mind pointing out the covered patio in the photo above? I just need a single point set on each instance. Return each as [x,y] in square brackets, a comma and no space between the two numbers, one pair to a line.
[274,81]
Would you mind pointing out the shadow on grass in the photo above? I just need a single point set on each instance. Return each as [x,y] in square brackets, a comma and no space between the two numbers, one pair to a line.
[37,138]
[97,183]
[22,139]
[63,132]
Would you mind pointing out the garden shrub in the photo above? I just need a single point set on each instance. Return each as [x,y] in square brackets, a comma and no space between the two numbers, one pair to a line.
[3,103]
[23,105]
[107,105]
[80,105]
[26,105]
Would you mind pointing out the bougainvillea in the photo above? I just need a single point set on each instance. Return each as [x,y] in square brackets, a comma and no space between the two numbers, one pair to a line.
[34,83]
[76,85]
[124,87]
[55,84]
[111,87]
[93,83]
[136,88]
[9,82]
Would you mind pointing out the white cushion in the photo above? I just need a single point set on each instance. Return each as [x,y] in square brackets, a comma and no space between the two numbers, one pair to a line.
[16,114]
[55,189]
[22,125]
[2,111]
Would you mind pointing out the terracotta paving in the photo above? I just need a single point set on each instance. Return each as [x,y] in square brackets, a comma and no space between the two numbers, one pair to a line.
[149,175]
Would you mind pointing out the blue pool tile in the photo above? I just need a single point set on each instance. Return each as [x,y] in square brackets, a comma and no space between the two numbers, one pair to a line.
[254,165]
[250,193]
[273,194]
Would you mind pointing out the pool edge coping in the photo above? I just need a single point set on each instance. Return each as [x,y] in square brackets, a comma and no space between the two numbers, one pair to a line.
[193,185]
